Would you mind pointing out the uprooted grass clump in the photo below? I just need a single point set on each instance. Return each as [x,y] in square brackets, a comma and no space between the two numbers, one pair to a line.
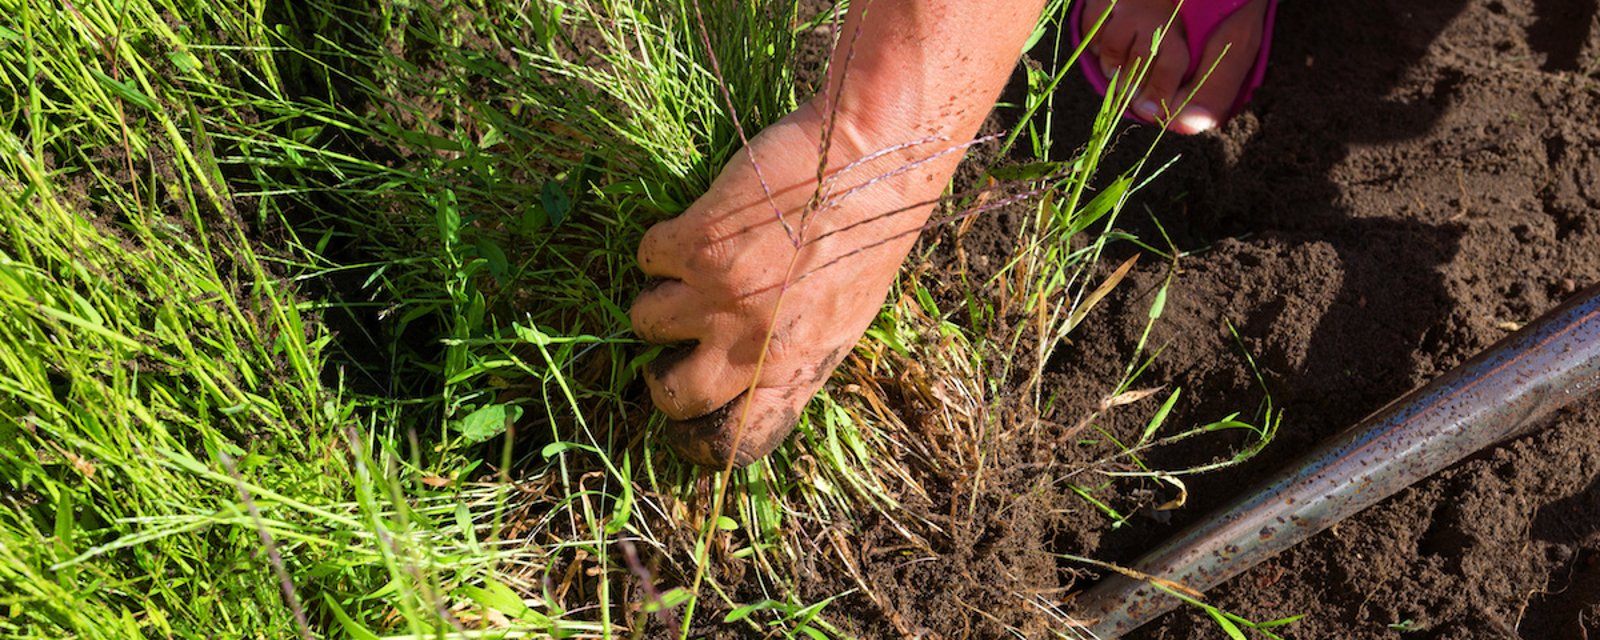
[314,326]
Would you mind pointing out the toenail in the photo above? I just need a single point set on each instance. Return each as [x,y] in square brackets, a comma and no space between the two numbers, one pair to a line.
[1148,109]
[1195,120]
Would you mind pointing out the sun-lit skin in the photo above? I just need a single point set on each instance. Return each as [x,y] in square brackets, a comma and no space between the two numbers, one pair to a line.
[767,281]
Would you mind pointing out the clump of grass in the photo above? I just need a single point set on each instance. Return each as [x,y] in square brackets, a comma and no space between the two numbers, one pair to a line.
[182,458]
[315,325]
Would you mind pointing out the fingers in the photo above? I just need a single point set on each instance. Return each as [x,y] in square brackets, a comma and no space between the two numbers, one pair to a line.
[1213,99]
[768,416]
[695,382]
[661,251]
[668,312]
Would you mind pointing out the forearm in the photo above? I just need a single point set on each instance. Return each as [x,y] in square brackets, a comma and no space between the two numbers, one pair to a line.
[905,70]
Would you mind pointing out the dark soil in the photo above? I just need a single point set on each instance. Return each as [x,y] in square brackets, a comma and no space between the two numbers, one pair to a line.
[1413,181]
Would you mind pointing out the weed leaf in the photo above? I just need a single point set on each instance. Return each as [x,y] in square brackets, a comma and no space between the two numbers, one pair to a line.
[556,448]
[556,203]
[124,90]
[488,422]
[744,611]
[1227,625]
[351,627]
[499,265]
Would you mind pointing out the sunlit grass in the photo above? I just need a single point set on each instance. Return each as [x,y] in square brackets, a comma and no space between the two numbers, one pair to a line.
[313,323]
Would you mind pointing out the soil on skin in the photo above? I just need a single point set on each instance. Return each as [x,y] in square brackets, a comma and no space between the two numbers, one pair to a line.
[1413,181]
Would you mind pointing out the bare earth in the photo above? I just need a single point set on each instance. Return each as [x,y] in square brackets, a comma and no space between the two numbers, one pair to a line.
[1414,180]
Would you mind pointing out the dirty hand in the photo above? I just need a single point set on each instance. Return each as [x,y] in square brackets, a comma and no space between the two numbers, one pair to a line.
[737,282]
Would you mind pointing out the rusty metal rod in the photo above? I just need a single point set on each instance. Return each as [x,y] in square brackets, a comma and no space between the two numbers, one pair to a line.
[1498,394]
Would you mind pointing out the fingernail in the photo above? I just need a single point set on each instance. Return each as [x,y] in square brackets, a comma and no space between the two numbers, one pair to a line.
[1195,120]
[1148,109]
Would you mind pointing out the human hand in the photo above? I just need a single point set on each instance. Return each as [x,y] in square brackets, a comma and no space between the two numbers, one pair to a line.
[762,306]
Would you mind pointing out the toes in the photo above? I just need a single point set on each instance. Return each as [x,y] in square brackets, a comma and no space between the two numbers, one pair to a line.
[1157,97]
[1093,11]
[1129,35]
[767,416]
[1232,48]
[1115,41]
[695,380]
[668,312]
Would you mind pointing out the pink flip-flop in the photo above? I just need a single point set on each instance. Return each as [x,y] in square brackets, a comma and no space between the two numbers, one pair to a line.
[1200,18]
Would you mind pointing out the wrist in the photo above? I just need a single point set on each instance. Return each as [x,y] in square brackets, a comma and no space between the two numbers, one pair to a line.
[895,126]
[908,70]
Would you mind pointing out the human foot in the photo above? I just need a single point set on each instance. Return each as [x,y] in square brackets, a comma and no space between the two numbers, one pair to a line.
[1235,44]
[765,296]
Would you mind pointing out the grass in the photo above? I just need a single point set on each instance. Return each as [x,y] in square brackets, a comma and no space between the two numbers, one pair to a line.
[313,325]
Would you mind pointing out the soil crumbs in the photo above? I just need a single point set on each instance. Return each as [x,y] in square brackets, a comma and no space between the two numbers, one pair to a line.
[1414,181]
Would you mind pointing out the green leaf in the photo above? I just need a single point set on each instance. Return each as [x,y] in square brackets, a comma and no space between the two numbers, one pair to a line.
[668,600]
[1161,415]
[183,459]
[531,334]
[617,314]
[555,448]
[811,632]
[500,597]
[556,203]
[889,337]
[1228,626]
[184,61]
[1160,303]
[422,140]
[1281,621]
[488,422]
[124,90]
[727,524]
[306,135]
[1101,204]
[928,305]
[499,265]
[491,137]
[744,611]
[351,627]
[1024,172]
[448,216]
[533,219]
[806,615]
[624,508]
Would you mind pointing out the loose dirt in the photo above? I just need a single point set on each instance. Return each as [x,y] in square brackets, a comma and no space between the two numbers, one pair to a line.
[1413,182]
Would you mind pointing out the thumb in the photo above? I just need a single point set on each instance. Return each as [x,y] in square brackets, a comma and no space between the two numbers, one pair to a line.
[744,430]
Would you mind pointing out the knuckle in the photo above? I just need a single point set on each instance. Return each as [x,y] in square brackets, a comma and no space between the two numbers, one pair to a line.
[653,245]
